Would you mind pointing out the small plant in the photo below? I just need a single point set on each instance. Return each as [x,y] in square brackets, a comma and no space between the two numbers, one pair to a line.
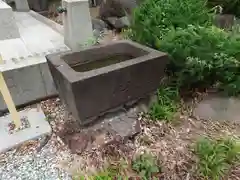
[116,170]
[215,157]
[146,165]
[166,105]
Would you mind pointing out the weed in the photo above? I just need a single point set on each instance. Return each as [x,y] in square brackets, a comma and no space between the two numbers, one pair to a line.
[146,165]
[215,157]
[166,105]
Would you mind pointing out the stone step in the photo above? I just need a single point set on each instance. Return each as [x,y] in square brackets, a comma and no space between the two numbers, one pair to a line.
[24,64]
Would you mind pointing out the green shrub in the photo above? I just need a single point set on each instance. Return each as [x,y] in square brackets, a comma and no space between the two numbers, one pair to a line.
[228,6]
[203,56]
[166,105]
[155,17]
[146,165]
[215,157]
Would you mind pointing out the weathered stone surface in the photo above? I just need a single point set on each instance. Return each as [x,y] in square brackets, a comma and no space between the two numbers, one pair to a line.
[118,23]
[218,109]
[98,26]
[224,21]
[114,127]
[38,126]
[38,5]
[116,8]
[89,93]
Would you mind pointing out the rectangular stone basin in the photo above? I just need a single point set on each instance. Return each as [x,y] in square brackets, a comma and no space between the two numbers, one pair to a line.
[100,78]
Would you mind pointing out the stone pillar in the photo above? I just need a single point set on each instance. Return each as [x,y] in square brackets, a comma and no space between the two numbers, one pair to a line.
[22,5]
[77,23]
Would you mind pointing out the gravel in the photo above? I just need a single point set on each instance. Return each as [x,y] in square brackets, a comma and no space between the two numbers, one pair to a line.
[22,164]
[39,159]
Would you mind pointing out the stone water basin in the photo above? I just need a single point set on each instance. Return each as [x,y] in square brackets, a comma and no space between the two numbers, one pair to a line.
[95,80]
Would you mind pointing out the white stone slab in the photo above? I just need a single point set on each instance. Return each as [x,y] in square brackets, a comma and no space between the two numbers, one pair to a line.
[37,39]
[8,28]
[38,127]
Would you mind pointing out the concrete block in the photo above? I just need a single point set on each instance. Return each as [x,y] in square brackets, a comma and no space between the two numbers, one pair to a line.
[22,5]
[100,78]
[38,127]
[8,27]
[25,85]
[47,80]
[77,23]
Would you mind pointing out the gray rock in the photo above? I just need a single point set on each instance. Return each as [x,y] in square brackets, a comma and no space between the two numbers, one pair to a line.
[224,21]
[98,24]
[118,23]
[98,27]
[38,5]
[218,108]
[116,8]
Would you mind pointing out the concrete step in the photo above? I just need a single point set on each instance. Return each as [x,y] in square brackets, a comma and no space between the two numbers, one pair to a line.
[24,65]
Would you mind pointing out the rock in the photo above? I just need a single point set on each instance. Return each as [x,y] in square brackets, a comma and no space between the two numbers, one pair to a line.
[98,24]
[38,5]
[116,8]
[78,142]
[218,109]
[224,21]
[98,27]
[118,23]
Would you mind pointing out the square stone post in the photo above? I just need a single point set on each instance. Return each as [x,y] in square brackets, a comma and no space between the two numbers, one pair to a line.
[22,5]
[77,23]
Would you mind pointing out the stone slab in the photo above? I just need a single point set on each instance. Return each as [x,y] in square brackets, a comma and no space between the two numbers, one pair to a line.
[8,27]
[218,108]
[25,85]
[38,127]
[25,69]
[36,40]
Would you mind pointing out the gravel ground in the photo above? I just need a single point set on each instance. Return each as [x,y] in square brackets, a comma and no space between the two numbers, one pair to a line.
[55,161]
[33,165]
[29,162]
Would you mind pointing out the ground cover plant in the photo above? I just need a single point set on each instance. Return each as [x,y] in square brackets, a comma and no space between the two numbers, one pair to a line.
[216,156]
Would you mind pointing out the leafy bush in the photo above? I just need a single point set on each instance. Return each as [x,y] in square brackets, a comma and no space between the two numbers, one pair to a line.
[215,157]
[155,17]
[146,166]
[201,55]
[166,105]
[228,6]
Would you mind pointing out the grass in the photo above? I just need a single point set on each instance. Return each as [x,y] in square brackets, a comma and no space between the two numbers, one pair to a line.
[215,157]
[146,165]
[166,105]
